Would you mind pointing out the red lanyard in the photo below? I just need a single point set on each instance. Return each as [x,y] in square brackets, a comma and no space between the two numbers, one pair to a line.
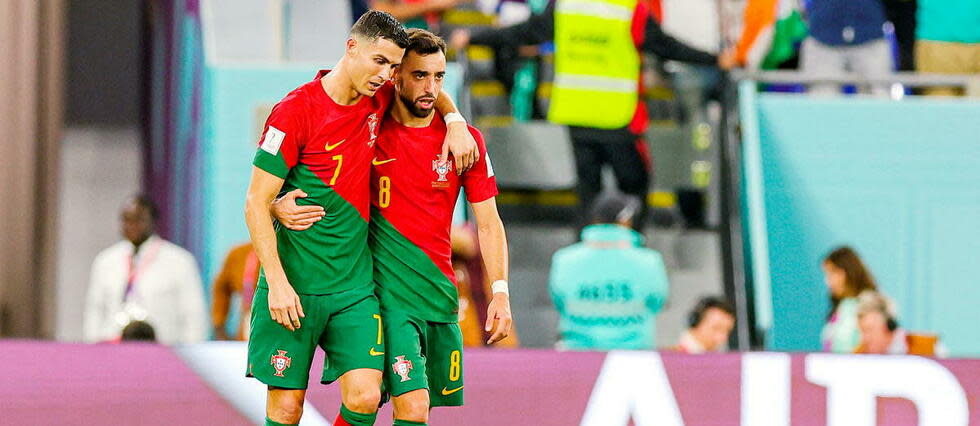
[135,271]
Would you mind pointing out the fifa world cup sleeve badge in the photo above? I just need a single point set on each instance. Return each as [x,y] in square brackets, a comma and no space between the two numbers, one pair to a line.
[402,367]
[280,362]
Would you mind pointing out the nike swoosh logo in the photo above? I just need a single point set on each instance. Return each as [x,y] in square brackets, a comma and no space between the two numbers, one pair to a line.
[329,147]
[450,392]
[375,353]
[378,163]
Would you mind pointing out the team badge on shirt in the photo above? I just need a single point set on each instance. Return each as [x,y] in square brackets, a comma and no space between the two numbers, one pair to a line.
[373,128]
[442,168]
[280,362]
[402,367]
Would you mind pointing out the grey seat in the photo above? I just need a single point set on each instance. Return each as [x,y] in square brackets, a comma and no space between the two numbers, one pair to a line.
[532,155]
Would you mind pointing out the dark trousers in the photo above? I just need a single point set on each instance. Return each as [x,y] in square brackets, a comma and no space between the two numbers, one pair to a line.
[626,153]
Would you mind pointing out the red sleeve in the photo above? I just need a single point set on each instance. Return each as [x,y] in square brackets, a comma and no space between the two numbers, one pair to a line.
[384,96]
[479,181]
[639,26]
[282,138]
[657,11]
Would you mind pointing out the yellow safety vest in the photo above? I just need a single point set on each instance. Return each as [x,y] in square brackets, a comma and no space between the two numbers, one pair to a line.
[597,66]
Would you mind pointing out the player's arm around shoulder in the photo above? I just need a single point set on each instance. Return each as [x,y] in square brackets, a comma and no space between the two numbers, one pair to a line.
[459,140]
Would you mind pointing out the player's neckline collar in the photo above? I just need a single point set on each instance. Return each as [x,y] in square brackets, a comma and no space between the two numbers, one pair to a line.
[436,122]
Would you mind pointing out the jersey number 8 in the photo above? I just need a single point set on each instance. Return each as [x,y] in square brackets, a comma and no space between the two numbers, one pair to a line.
[454,366]
[384,191]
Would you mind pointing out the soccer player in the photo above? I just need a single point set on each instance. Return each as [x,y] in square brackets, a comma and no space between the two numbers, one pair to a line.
[315,287]
[413,195]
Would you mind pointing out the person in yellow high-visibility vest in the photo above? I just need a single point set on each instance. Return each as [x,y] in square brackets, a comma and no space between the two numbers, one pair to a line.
[597,84]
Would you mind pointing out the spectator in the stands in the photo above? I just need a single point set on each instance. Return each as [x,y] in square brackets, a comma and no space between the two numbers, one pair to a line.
[948,39]
[609,287]
[847,280]
[709,325]
[846,35]
[881,333]
[415,13]
[770,33]
[238,276]
[145,278]
[597,81]
[138,331]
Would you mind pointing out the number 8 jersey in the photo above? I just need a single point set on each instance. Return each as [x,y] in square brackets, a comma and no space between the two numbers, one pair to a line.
[413,196]
[325,149]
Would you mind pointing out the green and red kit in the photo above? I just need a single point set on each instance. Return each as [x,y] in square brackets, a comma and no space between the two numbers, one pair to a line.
[325,149]
[413,197]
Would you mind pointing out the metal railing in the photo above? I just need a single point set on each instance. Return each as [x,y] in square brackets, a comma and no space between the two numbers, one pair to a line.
[970,83]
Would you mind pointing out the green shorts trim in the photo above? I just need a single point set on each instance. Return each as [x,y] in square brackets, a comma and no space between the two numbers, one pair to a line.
[346,325]
[423,355]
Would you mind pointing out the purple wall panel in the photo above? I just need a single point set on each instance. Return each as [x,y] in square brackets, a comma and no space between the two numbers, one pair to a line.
[503,387]
[49,383]
[62,384]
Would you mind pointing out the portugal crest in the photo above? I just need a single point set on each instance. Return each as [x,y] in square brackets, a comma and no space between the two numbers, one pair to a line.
[442,168]
[280,362]
[402,367]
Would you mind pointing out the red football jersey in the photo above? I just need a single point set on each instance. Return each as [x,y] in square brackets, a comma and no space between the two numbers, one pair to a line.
[334,141]
[325,149]
[413,197]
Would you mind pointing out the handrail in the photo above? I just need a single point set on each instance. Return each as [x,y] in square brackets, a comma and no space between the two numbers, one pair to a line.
[915,79]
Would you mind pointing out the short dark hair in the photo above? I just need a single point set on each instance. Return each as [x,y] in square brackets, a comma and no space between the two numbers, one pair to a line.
[138,331]
[423,42]
[709,302]
[145,202]
[616,208]
[375,24]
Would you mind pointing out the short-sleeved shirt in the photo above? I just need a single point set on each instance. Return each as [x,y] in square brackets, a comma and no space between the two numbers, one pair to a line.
[412,201]
[607,290]
[325,149]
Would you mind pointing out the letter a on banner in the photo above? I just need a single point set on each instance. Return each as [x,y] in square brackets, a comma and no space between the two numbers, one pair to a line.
[632,385]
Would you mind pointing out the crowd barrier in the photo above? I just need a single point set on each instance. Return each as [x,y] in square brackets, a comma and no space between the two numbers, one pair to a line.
[54,383]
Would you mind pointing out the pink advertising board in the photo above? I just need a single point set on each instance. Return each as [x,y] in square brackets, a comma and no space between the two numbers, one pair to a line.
[51,383]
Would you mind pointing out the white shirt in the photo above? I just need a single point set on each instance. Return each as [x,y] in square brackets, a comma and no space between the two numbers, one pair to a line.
[689,345]
[167,293]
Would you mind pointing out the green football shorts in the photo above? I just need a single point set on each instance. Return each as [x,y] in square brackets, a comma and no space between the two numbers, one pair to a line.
[423,355]
[347,325]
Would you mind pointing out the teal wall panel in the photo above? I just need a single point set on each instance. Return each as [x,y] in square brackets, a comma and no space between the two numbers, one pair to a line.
[232,95]
[897,180]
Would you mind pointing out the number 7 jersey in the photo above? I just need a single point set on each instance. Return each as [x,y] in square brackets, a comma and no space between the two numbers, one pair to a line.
[413,197]
[325,149]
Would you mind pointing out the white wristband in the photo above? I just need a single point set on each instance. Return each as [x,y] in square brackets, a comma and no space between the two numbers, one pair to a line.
[499,286]
[454,117]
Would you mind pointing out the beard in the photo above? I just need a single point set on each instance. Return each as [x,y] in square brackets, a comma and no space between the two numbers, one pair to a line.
[414,108]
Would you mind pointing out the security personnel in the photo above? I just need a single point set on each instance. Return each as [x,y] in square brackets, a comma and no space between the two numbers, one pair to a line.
[608,288]
[597,84]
